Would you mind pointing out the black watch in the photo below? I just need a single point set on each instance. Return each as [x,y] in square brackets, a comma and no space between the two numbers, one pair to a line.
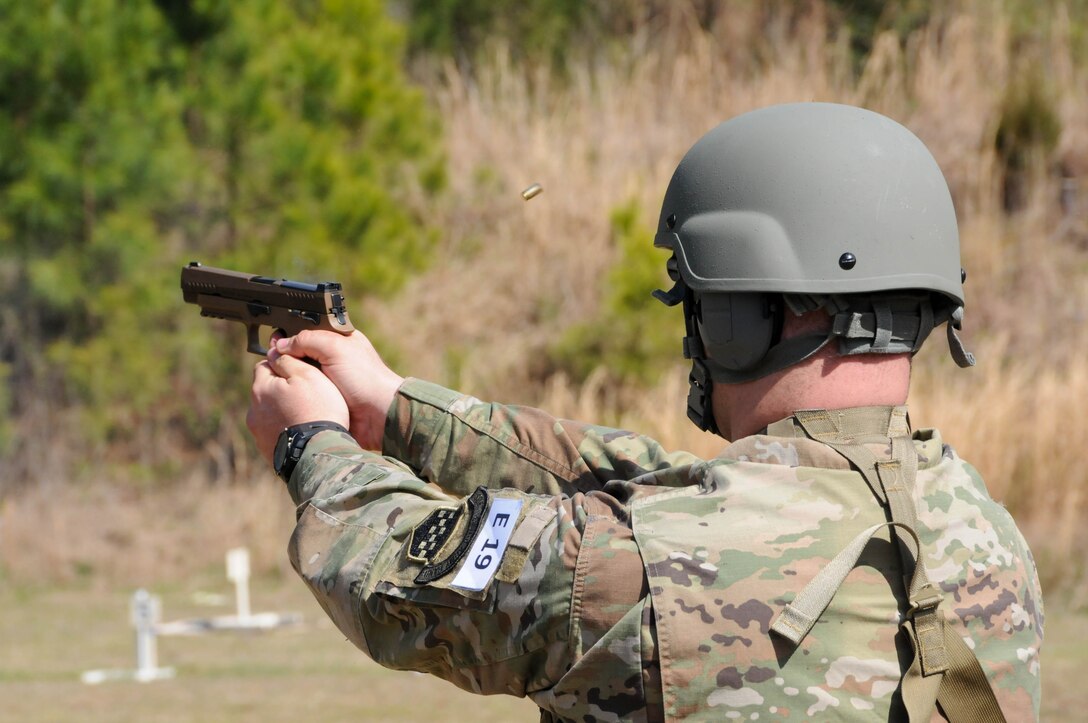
[292,443]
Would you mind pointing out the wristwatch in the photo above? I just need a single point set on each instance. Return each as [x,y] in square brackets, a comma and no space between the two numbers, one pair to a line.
[292,443]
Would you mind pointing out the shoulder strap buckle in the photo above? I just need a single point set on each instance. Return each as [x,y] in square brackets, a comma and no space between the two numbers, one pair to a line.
[932,599]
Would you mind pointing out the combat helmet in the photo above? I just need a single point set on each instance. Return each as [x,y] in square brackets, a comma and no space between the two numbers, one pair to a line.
[799,207]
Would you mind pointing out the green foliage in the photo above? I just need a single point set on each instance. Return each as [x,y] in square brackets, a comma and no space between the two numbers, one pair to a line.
[279,138]
[635,336]
[533,29]
[316,128]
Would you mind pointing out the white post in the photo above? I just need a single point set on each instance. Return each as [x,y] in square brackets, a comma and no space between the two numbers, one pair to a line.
[146,611]
[238,573]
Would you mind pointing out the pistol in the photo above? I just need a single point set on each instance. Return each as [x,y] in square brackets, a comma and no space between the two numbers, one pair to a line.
[256,301]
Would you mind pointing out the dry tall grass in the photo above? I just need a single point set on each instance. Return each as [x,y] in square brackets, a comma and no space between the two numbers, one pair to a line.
[510,276]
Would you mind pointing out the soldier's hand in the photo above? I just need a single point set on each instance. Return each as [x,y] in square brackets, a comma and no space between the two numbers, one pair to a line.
[287,392]
[354,366]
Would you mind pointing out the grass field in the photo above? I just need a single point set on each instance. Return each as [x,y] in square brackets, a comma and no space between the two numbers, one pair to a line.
[307,673]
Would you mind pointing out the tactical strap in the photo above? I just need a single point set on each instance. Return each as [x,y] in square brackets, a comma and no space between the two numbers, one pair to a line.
[797,618]
[963,692]
[886,324]
[880,331]
[963,357]
[944,671]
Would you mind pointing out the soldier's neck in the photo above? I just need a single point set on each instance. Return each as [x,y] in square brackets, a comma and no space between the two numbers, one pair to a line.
[826,381]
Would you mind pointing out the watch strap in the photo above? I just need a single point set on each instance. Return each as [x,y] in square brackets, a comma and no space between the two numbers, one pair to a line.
[295,439]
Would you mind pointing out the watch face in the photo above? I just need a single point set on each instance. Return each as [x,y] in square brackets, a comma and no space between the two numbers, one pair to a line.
[280,455]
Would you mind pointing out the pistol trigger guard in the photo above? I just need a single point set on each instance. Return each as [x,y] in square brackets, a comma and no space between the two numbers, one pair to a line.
[254,340]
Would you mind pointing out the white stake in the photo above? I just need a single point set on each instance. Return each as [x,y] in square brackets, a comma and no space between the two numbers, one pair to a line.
[145,612]
[238,573]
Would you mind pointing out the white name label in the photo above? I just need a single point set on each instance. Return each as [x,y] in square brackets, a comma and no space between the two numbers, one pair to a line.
[482,561]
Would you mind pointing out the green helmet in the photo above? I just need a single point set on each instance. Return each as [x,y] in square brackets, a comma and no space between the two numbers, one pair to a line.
[801,207]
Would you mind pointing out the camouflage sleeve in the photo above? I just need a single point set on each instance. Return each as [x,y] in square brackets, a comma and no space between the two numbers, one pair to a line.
[475,590]
[459,442]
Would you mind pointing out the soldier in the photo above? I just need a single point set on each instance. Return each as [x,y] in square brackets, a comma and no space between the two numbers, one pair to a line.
[829,564]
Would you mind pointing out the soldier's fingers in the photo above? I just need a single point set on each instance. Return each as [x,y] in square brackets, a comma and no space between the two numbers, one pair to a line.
[262,369]
[288,366]
[263,374]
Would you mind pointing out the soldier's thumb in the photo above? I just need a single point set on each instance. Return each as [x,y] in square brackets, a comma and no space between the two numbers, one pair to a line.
[308,345]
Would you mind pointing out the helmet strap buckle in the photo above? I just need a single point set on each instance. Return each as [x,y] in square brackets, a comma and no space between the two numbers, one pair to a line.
[700,403]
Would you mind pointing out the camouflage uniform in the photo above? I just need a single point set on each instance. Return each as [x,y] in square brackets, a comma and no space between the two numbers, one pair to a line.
[628,583]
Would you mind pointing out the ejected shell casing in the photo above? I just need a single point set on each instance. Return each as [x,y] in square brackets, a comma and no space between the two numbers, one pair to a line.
[532,191]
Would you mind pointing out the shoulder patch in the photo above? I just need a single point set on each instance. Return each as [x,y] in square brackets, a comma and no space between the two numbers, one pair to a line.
[475,506]
[429,536]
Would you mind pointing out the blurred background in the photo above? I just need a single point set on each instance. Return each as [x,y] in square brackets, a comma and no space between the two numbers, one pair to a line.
[385,145]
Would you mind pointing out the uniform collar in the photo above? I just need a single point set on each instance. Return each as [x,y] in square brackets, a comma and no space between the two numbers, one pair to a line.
[785,442]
